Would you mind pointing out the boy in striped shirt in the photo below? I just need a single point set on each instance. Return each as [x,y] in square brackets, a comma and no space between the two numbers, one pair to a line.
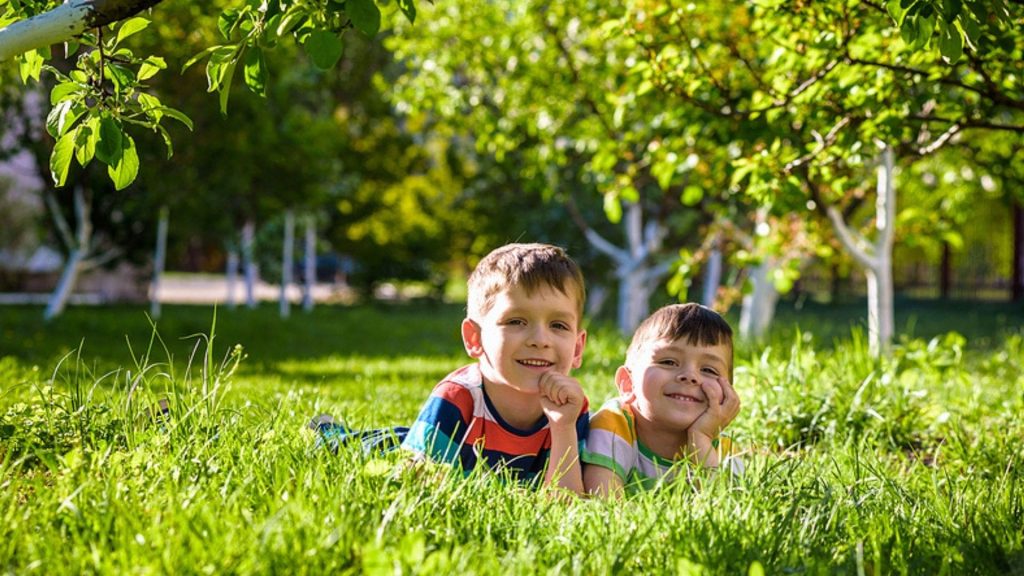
[516,409]
[675,397]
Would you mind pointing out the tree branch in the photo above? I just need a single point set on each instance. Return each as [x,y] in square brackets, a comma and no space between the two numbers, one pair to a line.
[65,22]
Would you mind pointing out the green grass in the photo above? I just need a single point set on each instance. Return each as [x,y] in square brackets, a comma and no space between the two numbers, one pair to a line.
[854,466]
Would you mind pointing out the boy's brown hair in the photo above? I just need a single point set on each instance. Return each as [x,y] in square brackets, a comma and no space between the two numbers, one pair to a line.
[528,265]
[700,325]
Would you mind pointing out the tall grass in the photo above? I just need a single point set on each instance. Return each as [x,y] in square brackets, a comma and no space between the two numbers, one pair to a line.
[909,465]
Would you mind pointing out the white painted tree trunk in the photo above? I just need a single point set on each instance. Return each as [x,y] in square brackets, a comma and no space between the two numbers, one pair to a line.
[248,262]
[637,277]
[232,277]
[66,284]
[78,249]
[64,23]
[287,261]
[876,256]
[712,275]
[309,269]
[159,259]
[758,307]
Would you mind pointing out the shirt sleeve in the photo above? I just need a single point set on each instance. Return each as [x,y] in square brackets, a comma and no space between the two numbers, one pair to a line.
[442,423]
[609,444]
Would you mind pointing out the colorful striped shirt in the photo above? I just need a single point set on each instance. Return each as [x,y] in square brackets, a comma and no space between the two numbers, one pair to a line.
[613,444]
[459,425]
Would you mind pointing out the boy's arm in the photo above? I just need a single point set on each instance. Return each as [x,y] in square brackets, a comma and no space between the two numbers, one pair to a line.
[723,406]
[601,481]
[563,402]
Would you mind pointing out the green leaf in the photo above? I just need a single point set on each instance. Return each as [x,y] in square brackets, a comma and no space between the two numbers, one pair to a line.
[56,117]
[227,73]
[150,67]
[365,15]
[131,26]
[121,76]
[324,49]
[951,43]
[256,71]
[30,64]
[108,149]
[62,91]
[151,106]
[408,7]
[60,159]
[692,195]
[86,136]
[167,140]
[612,207]
[896,11]
[179,116]
[971,30]
[663,171]
[292,19]
[227,21]
[127,168]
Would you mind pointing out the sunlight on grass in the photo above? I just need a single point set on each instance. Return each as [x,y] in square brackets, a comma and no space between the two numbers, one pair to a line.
[906,465]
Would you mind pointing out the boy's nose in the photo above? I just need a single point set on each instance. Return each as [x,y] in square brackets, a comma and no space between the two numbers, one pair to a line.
[688,376]
[538,337]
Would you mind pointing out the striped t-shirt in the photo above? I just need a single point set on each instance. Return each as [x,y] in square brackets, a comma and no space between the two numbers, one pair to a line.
[458,425]
[613,444]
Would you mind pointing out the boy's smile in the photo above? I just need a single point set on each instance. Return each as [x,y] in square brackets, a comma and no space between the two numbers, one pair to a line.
[665,382]
[522,336]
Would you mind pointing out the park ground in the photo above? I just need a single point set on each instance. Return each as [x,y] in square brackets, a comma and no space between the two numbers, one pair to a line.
[910,464]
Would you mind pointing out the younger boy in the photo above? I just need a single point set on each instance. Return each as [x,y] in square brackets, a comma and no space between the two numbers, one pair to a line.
[675,397]
[516,409]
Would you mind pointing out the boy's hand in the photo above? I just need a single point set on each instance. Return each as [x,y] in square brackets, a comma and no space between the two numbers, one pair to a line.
[723,406]
[561,398]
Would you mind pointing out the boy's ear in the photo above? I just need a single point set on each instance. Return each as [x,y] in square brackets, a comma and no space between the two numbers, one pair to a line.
[577,352]
[471,338]
[624,382]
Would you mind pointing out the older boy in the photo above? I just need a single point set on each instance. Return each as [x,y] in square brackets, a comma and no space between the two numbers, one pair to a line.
[675,399]
[516,409]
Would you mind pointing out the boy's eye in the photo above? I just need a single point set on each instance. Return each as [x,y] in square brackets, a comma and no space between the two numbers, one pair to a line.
[667,362]
[561,326]
[515,322]
[711,370]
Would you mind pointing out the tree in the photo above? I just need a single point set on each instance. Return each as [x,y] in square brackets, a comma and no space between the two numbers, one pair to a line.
[826,81]
[95,103]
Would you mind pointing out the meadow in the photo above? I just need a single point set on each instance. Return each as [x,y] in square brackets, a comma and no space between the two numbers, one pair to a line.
[907,465]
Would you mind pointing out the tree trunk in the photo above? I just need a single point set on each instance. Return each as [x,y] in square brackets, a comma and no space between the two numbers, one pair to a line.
[758,307]
[637,278]
[232,277]
[876,256]
[248,263]
[309,270]
[78,249]
[158,264]
[68,278]
[65,22]
[712,275]
[287,261]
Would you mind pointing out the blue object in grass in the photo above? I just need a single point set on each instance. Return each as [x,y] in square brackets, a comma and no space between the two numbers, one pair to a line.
[332,434]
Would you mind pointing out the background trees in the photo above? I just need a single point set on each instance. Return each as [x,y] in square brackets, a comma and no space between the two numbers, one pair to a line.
[668,142]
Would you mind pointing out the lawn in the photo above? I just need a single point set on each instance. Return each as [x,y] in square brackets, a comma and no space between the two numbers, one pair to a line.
[907,465]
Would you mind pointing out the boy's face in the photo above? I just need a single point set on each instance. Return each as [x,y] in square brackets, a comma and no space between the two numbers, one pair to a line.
[523,336]
[663,380]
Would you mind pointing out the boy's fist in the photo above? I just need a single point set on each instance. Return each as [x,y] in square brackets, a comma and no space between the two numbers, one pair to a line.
[561,397]
[723,406]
